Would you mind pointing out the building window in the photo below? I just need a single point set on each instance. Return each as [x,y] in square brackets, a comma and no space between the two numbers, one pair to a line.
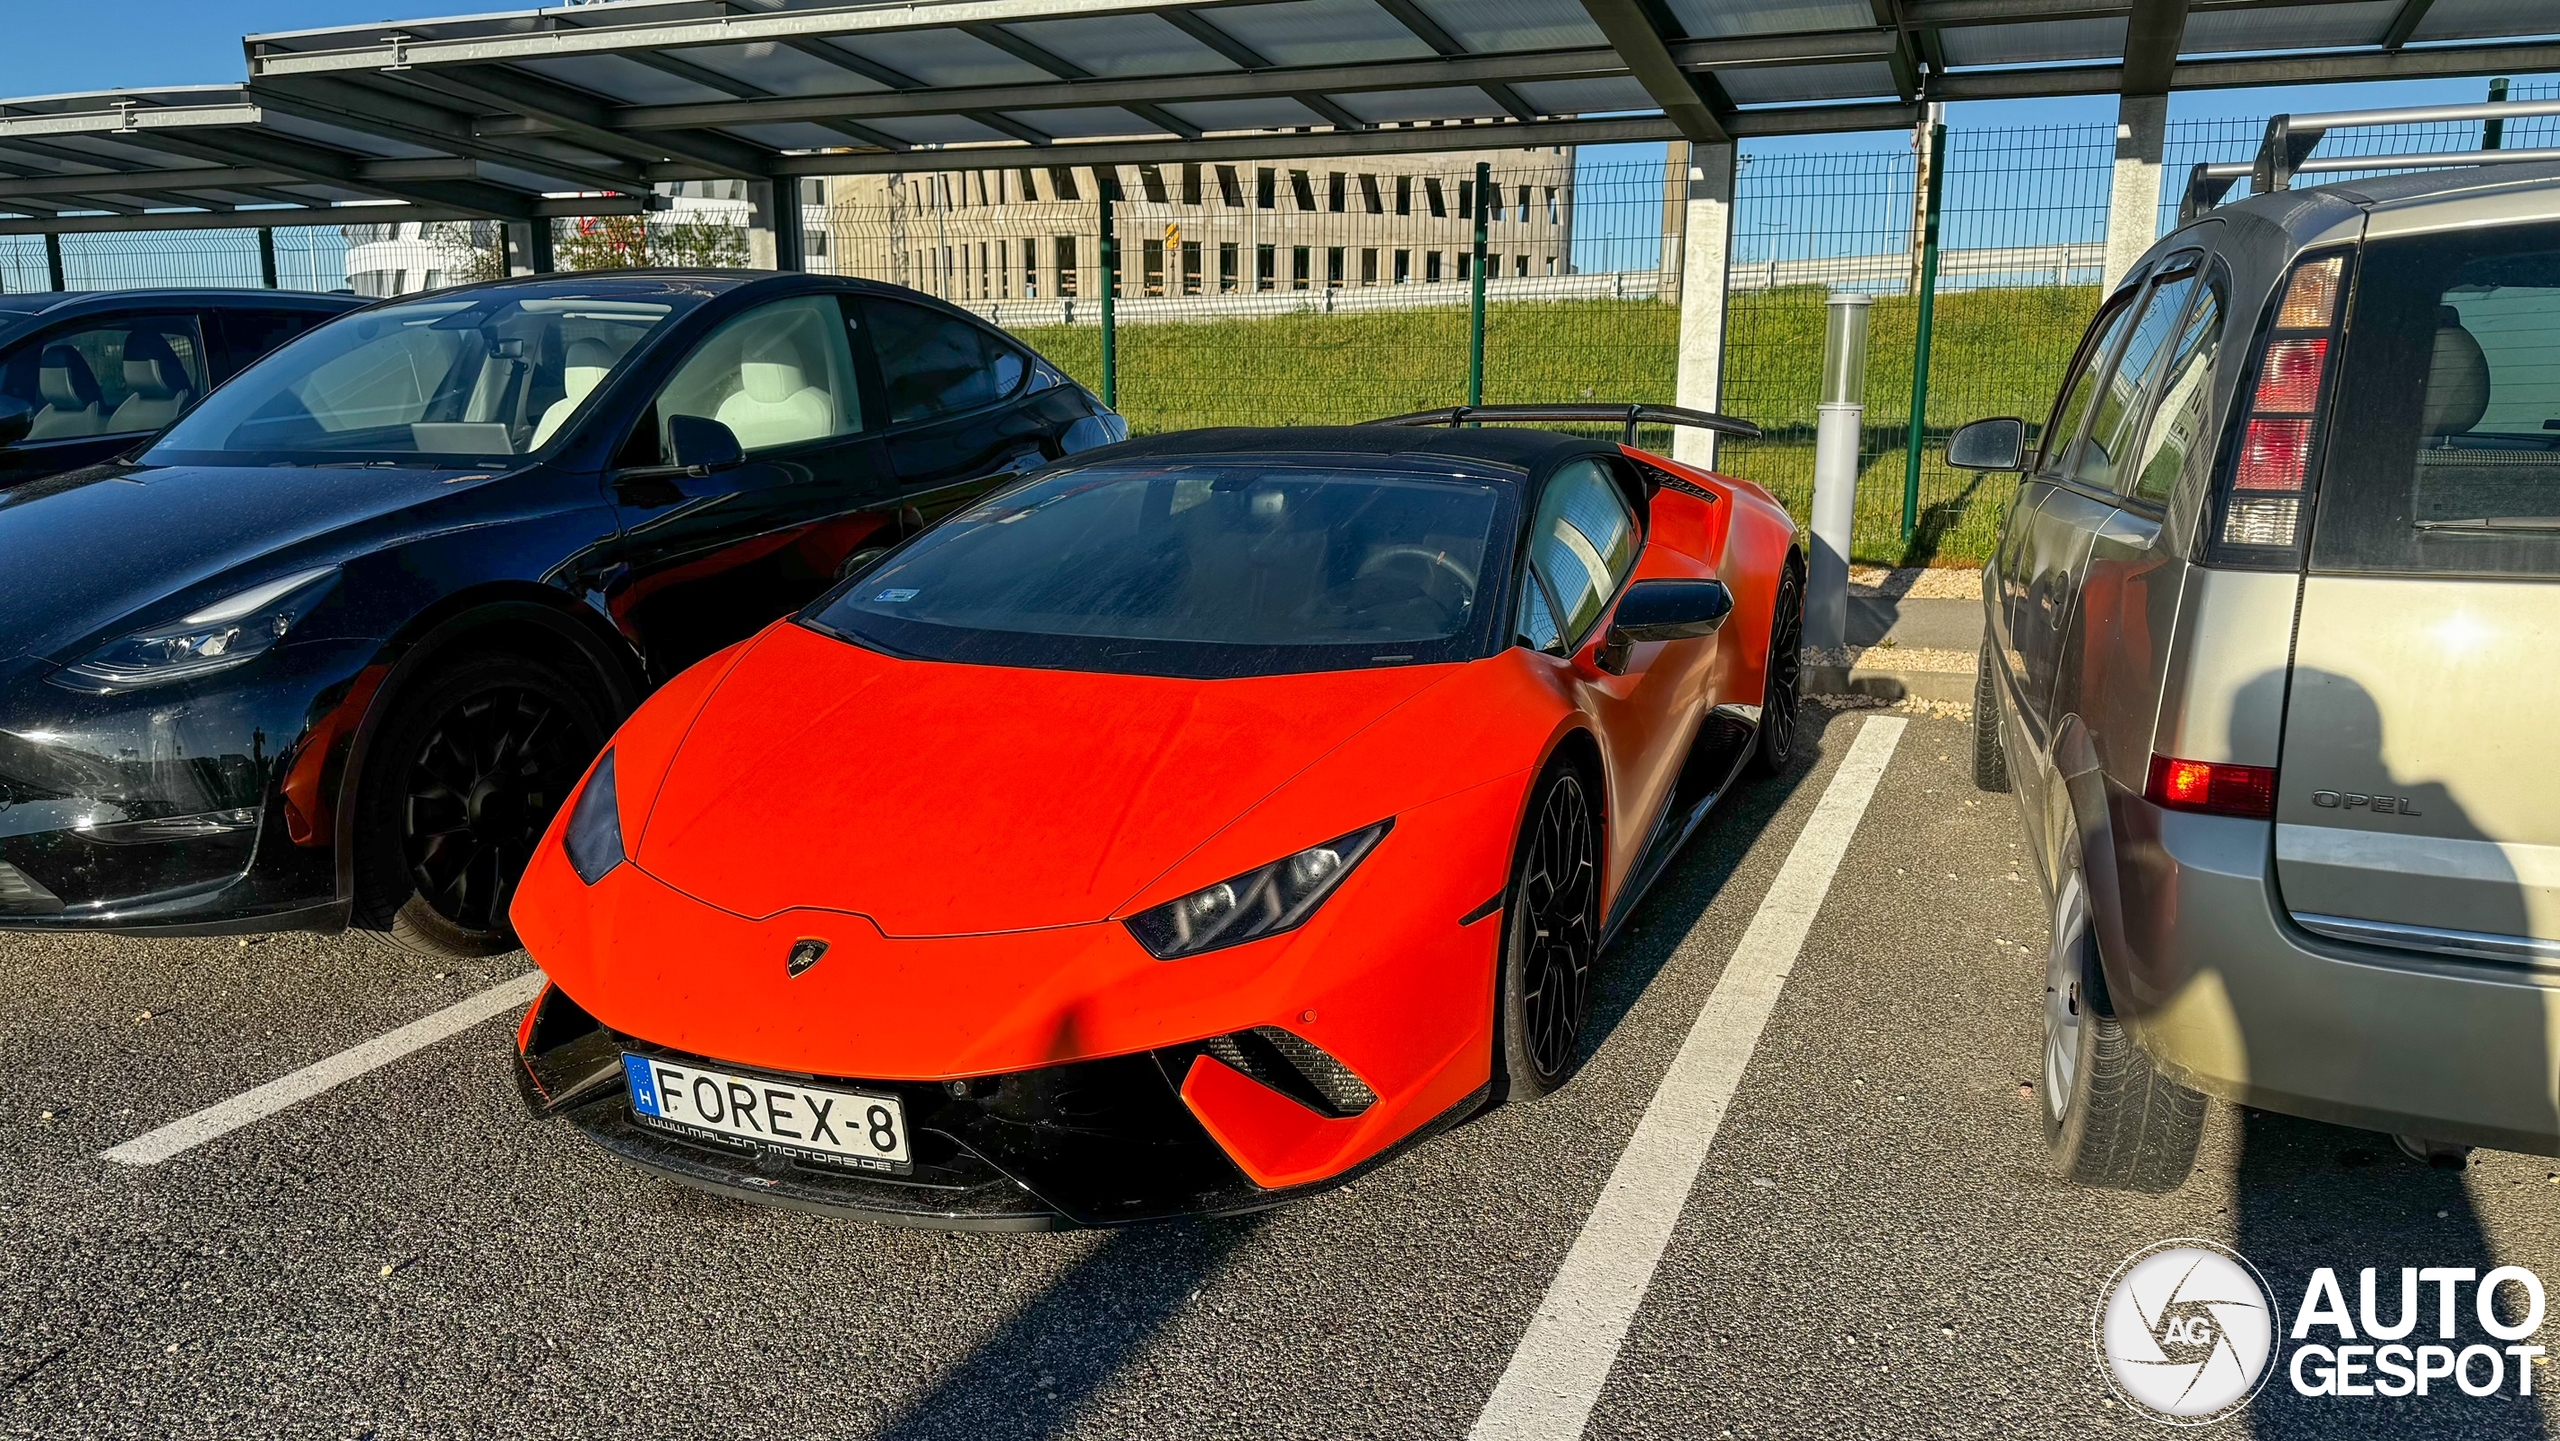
[1152,253]
[1337,192]
[1266,267]
[1524,212]
[1369,197]
[1228,277]
[1266,188]
[1230,189]
[1191,267]
[1404,266]
[1030,259]
[1151,180]
[1431,267]
[1466,265]
[1302,190]
[1520,266]
[1551,205]
[1301,267]
[1404,195]
[1191,182]
[1551,265]
[1030,188]
[1066,257]
[814,240]
[1062,182]
[1369,267]
[1431,192]
[1493,266]
[1466,199]
[1333,268]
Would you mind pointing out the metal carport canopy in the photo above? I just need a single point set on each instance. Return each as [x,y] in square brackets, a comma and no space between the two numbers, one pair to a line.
[658,90]
[215,156]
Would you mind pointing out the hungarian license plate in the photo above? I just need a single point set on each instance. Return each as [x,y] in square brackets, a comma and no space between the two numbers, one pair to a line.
[846,1127]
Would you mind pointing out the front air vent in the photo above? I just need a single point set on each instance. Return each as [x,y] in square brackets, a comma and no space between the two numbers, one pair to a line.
[1294,1067]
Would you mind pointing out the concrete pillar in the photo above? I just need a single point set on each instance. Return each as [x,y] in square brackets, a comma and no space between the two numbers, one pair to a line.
[1706,246]
[529,247]
[2133,206]
[773,227]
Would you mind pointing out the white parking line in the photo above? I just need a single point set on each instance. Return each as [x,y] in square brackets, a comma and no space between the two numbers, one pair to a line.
[1555,1375]
[224,1117]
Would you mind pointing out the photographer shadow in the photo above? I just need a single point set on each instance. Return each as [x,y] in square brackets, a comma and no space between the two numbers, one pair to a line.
[2307,1194]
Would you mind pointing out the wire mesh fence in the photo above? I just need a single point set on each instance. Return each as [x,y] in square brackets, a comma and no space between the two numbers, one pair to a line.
[305,258]
[1297,293]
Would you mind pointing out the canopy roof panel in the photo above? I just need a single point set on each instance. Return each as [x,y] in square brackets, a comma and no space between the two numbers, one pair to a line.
[215,156]
[684,89]
[590,106]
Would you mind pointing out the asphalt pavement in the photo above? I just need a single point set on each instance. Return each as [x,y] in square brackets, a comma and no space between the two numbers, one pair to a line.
[1872,1246]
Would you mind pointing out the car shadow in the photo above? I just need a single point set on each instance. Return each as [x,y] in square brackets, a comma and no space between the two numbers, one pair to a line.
[1032,1377]
[2306,1194]
[1664,918]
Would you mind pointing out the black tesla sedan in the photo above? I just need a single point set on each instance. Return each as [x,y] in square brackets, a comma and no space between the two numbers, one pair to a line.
[333,647]
[84,376]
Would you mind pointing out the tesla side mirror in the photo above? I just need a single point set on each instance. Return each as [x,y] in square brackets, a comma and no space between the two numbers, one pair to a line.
[1998,444]
[16,419]
[1663,610]
[701,444]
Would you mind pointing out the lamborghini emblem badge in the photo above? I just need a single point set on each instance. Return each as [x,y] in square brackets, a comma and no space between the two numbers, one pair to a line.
[805,954]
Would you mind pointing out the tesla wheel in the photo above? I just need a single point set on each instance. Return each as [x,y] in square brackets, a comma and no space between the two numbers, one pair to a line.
[1990,765]
[1551,938]
[2110,1118]
[463,781]
[1783,696]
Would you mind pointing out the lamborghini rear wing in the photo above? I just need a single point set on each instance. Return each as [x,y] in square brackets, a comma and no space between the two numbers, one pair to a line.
[1630,416]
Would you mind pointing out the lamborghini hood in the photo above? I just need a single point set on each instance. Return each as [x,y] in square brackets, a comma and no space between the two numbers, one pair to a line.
[941,799]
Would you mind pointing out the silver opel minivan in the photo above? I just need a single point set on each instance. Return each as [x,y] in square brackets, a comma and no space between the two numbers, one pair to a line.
[2272,640]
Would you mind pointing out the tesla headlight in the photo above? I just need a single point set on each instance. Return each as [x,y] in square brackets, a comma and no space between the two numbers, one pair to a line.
[1262,902]
[594,837]
[230,632]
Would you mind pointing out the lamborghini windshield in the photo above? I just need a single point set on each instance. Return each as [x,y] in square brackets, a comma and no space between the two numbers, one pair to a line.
[460,378]
[1194,568]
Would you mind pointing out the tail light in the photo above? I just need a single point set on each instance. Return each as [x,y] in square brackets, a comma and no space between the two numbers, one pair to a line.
[2263,508]
[2213,787]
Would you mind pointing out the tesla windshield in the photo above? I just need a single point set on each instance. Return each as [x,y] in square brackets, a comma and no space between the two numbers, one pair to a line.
[1216,568]
[461,379]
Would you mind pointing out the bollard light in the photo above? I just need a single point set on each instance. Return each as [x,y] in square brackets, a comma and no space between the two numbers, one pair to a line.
[1841,419]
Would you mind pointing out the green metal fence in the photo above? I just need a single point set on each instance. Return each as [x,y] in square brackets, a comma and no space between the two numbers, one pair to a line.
[1298,293]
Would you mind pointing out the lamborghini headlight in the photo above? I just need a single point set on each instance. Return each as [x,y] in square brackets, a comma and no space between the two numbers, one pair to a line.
[232,631]
[594,835]
[1262,902]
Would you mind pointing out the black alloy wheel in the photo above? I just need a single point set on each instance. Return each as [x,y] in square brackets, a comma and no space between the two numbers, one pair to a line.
[465,780]
[1554,939]
[1780,701]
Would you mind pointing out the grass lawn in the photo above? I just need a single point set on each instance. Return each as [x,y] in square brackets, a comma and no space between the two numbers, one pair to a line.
[1996,352]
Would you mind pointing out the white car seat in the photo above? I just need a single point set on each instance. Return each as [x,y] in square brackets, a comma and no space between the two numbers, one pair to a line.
[775,404]
[71,398]
[587,362]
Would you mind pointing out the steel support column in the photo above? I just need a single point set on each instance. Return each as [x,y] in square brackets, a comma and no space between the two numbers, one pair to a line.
[529,247]
[774,237]
[2133,204]
[1706,249]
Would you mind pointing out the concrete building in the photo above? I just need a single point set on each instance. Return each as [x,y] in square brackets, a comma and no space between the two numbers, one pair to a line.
[1276,229]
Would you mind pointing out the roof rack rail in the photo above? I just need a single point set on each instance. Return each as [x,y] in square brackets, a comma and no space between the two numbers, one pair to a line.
[2285,152]
[1602,413]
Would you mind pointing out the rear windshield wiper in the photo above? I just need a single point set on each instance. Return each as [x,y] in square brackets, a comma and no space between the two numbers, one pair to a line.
[2495,522]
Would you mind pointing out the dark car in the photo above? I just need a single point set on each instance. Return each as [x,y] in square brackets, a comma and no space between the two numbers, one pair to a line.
[86,376]
[335,646]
